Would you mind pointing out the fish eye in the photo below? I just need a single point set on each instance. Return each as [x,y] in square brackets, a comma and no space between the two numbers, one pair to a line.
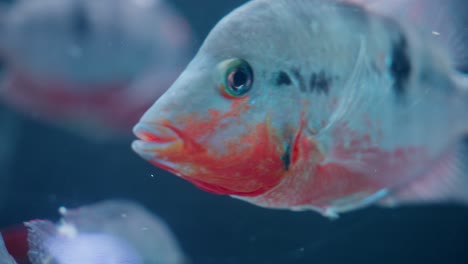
[237,77]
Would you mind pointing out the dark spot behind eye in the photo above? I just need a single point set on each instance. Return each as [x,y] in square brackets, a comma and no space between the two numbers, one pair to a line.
[282,78]
[400,67]
[80,24]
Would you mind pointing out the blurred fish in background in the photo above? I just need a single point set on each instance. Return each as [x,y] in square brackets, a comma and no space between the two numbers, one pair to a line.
[91,66]
[113,231]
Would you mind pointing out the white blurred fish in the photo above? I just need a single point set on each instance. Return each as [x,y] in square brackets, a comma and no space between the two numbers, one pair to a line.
[94,65]
[5,258]
[114,231]
[320,104]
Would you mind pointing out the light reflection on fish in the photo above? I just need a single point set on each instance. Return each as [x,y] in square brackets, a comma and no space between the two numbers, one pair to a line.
[94,65]
[315,104]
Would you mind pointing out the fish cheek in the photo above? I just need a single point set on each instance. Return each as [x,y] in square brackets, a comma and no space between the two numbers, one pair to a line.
[249,164]
[225,153]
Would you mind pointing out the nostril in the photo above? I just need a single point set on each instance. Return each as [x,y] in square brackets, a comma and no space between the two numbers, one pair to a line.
[154,133]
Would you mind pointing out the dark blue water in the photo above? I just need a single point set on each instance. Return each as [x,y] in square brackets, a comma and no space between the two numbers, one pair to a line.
[52,168]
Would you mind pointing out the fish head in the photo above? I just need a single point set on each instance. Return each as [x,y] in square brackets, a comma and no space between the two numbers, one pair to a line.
[223,125]
[212,129]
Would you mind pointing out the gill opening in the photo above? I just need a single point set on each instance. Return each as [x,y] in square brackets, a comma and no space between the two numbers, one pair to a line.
[349,98]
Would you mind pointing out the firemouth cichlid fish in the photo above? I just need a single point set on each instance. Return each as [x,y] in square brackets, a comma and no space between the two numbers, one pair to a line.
[322,105]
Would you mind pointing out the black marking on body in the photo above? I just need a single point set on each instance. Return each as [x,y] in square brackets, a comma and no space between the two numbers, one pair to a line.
[300,80]
[320,83]
[282,78]
[286,157]
[400,68]
[80,23]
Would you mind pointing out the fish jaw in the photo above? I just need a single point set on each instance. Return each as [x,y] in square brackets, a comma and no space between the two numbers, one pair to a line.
[248,165]
[154,140]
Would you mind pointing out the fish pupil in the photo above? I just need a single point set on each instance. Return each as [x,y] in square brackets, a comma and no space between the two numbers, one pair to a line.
[239,79]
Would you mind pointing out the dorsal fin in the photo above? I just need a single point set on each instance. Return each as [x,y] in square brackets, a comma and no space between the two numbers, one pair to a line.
[445,22]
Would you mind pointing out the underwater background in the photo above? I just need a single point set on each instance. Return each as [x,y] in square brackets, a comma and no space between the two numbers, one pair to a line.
[50,168]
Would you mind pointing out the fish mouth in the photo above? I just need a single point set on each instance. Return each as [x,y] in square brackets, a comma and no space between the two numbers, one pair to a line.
[154,140]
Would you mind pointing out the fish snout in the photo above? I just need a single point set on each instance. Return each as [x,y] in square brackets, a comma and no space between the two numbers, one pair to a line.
[154,140]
